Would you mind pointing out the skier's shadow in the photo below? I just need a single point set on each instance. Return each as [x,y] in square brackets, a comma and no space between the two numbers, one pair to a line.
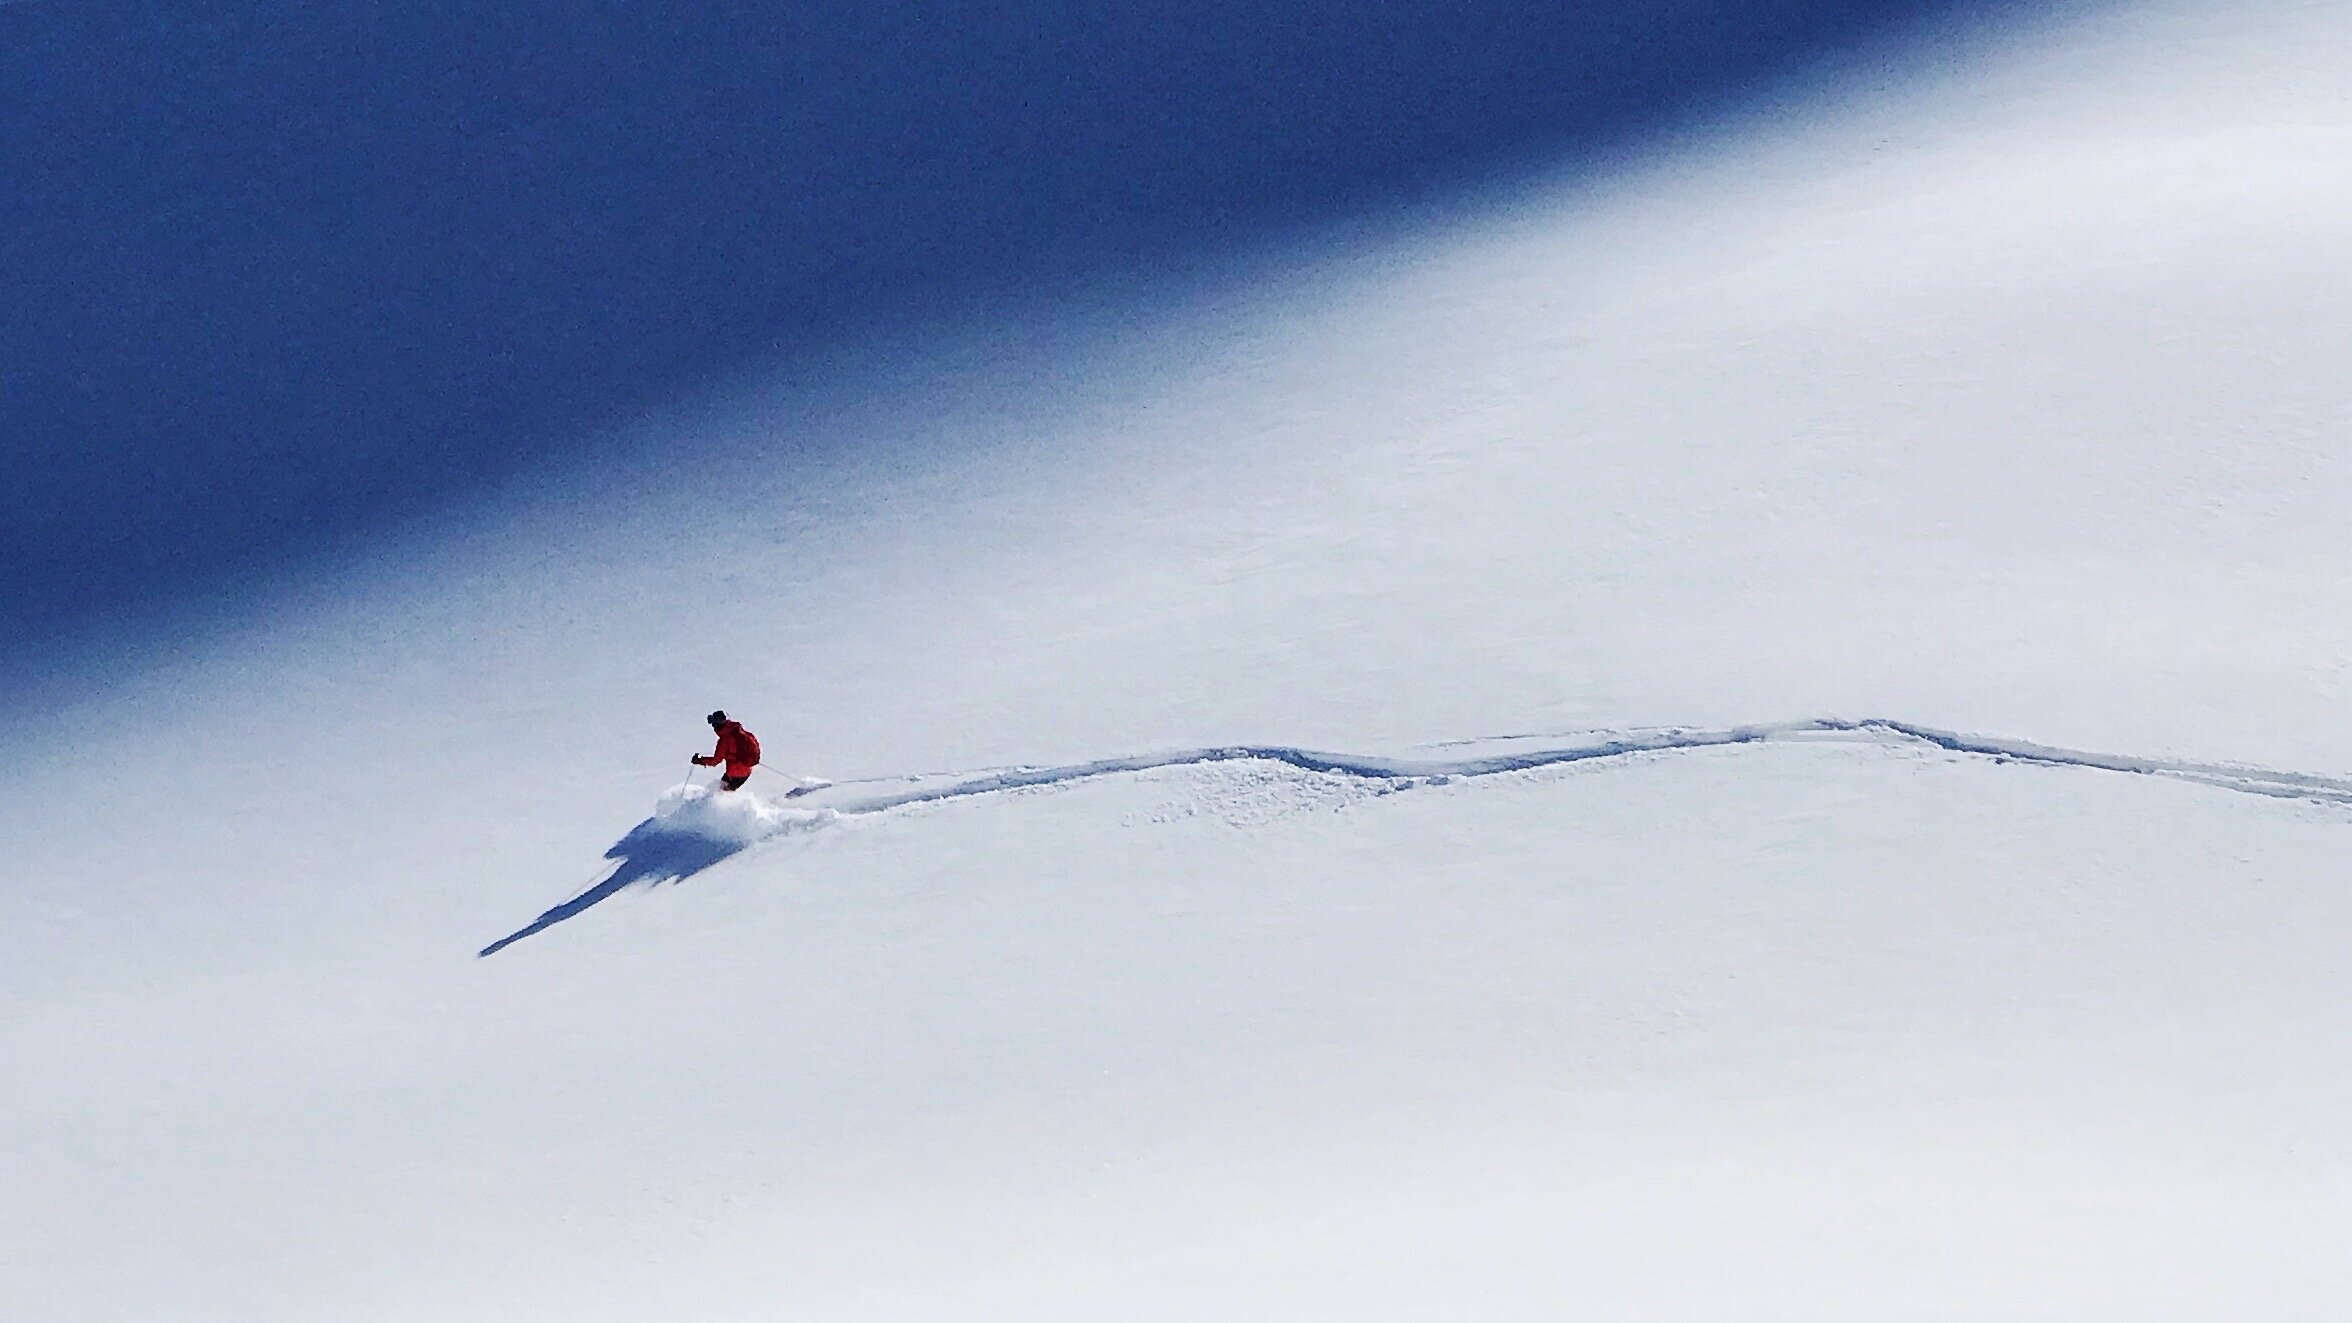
[649,853]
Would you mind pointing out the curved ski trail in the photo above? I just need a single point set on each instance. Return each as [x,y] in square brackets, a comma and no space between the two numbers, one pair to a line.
[654,851]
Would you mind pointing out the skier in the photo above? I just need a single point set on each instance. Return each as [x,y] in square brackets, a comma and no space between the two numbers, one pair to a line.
[738,749]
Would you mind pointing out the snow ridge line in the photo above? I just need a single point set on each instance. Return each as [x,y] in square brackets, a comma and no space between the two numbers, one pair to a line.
[1877,730]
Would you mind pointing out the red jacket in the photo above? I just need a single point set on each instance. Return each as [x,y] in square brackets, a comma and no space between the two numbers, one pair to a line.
[738,749]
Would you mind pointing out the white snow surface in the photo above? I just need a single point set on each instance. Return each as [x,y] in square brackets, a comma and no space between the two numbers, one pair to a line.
[1762,738]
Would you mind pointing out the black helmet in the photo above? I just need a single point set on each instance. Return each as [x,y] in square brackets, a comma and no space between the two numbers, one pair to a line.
[717,718]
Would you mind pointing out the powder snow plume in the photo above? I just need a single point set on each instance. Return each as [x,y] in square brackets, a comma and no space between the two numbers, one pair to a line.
[739,818]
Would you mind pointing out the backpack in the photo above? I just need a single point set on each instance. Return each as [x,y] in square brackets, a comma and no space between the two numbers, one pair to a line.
[747,744]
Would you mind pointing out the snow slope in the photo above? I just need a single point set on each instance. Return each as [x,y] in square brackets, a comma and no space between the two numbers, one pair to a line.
[2002,398]
[1769,1030]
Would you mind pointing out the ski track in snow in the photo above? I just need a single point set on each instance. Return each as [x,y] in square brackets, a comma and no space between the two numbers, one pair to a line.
[653,853]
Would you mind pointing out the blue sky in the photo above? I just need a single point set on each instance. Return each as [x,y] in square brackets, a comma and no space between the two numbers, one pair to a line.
[280,277]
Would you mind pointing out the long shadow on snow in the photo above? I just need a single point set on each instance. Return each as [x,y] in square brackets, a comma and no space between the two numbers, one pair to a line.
[649,853]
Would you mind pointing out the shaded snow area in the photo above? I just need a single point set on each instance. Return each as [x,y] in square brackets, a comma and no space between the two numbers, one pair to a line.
[1759,732]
